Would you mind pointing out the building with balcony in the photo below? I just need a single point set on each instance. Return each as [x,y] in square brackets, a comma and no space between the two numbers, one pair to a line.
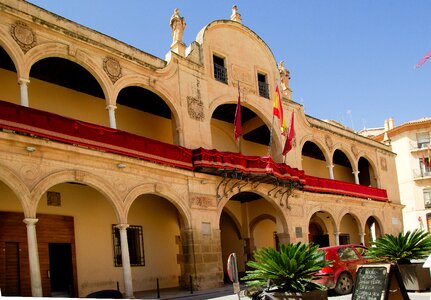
[411,143]
[119,168]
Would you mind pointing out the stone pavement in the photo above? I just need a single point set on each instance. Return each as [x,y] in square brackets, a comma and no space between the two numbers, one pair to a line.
[226,293]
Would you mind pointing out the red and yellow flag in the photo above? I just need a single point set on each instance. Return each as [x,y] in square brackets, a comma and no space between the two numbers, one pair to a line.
[278,110]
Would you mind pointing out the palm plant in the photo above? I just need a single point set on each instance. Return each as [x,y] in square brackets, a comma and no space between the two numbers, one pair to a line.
[401,248]
[290,269]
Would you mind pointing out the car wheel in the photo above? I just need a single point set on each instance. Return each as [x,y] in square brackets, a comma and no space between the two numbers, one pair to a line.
[344,284]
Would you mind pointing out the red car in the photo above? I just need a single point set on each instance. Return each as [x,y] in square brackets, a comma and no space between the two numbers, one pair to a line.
[341,274]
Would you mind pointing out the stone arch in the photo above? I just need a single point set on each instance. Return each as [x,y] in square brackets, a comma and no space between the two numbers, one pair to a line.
[78,176]
[14,182]
[325,218]
[359,225]
[262,112]
[142,81]
[346,152]
[372,165]
[322,147]
[379,223]
[14,52]
[256,220]
[263,193]
[163,191]
[51,50]
[235,220]
[312,162]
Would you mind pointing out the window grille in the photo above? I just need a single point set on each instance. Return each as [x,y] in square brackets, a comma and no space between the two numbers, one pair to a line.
[263,86]
[220,71]
[135,242]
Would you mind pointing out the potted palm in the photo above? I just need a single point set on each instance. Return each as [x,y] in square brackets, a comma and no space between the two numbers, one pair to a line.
[287,273]
[402,250]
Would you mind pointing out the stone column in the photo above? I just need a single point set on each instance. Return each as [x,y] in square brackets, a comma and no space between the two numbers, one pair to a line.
[331,171]
[337,238]
[362,235]
[202,259]
[23,88]
[356,174]
[187,260]
[112,121]
[127,271]
[33,257]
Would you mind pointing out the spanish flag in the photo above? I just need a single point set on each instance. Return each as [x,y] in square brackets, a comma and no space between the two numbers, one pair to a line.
[278,110]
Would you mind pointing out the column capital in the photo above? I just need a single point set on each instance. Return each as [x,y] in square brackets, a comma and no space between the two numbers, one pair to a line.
[356,172]
[111,107]
[23,81]
[122,226]
[30,221]
[329,165]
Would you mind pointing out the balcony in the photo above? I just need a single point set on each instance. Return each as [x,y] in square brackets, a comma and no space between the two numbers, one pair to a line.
[417,147]
[421,174]
[255,169]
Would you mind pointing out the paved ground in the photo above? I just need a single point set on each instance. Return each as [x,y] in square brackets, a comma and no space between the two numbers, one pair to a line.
[226,293]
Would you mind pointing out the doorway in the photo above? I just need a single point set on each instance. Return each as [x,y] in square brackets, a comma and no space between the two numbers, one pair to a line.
[61,269]
[12,278]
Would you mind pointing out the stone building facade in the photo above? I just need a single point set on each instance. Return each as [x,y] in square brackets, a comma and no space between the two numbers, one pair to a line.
[123,166]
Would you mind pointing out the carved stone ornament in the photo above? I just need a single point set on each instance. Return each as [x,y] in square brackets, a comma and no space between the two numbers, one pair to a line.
[23,36]
[383,164]
[112,68]
[329,142]
[355,151]
[202,202]
[195,108]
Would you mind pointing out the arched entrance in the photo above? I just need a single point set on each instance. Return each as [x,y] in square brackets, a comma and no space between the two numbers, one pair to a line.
[372,231]
[156,223]
[349,230]
[321,229]
[248,222]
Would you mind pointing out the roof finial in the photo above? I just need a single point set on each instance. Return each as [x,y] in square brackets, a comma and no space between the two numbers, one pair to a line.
[235,14]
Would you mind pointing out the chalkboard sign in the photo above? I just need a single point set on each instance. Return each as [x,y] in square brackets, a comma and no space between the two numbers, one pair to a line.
[371,283]
[378,282]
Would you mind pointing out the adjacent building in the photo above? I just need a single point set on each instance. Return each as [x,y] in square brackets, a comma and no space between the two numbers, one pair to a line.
[121,169]
[411,142]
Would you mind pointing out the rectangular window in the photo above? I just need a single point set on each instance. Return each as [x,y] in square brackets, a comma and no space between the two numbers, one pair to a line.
[220,71]
[427,198]
[135,242]
[263,86]
[424,165]
[344,238]
[423,139]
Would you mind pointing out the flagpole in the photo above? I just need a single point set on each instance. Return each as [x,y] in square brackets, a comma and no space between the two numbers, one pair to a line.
[270,136]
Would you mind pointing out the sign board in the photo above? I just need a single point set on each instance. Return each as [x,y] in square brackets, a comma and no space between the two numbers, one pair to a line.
[379,282]
[232,268]
[232,272]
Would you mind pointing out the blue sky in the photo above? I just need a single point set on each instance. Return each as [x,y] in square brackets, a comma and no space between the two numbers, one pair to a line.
[350,60]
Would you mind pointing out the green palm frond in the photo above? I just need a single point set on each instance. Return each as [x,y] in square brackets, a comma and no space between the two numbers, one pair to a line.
[401,248]
[289,269]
